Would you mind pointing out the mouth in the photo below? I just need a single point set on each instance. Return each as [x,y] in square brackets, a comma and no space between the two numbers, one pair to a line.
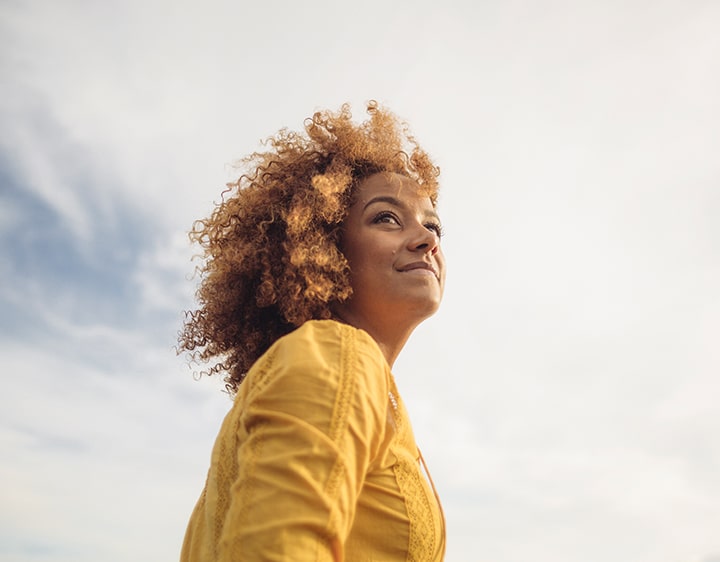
[421,267]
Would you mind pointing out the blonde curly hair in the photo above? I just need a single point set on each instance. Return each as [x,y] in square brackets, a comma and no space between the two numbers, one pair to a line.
[272,248]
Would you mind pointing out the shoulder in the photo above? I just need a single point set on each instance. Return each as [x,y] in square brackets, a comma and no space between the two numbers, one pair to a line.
[320,373]
[326,331]
[322,353]
[327,342]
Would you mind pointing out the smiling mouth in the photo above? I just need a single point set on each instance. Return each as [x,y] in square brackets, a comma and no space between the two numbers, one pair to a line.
[421,267]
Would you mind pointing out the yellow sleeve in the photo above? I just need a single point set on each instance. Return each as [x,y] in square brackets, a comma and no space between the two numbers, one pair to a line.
[310,426]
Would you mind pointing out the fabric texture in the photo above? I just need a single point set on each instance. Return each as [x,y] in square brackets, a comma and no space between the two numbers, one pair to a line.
[316,461]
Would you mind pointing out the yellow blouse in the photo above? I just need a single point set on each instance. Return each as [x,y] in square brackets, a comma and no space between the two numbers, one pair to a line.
[317,461]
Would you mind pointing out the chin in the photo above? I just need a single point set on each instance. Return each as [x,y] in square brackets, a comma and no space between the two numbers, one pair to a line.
[425,310]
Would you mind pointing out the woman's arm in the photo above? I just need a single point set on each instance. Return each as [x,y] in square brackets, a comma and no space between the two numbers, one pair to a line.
[311,425]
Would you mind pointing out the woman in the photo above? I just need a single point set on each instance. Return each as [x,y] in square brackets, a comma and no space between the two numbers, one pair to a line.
[320,263]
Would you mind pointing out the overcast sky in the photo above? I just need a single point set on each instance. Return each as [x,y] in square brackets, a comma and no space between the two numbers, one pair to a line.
[565,396]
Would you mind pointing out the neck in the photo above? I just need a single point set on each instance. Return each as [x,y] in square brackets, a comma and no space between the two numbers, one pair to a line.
[390,338]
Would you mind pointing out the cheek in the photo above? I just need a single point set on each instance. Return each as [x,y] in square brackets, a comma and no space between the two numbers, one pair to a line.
[371,253]
[359,261]
[440,257]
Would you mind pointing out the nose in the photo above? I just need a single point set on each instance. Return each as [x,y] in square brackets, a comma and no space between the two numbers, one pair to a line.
[424,240]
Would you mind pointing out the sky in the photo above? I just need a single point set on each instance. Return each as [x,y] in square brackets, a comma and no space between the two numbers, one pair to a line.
[566,395]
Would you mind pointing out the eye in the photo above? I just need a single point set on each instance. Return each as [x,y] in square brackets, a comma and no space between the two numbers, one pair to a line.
[435,227]
[385,217]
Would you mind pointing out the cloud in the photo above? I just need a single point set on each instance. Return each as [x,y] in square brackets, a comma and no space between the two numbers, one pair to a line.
[563,396]
[165,274]
[93,466]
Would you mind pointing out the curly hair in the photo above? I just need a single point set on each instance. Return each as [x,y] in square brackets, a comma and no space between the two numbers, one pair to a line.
[272,248]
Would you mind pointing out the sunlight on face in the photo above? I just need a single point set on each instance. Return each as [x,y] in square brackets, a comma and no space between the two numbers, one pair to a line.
[392,242]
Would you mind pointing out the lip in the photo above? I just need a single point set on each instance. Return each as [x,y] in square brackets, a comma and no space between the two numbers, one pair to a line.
[421,266]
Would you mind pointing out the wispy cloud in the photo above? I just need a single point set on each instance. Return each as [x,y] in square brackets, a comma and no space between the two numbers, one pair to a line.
[564,396]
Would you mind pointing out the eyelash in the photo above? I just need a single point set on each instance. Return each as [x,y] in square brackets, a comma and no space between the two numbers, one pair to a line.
[381,216]
[435,227]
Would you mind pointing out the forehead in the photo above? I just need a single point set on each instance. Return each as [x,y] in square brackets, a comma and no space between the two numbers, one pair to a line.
[394,185]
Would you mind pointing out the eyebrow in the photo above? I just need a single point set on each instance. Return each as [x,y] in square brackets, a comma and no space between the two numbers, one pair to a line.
[397,203]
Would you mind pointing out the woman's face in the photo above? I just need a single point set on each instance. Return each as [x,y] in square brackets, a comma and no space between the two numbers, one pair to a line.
[391,239]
